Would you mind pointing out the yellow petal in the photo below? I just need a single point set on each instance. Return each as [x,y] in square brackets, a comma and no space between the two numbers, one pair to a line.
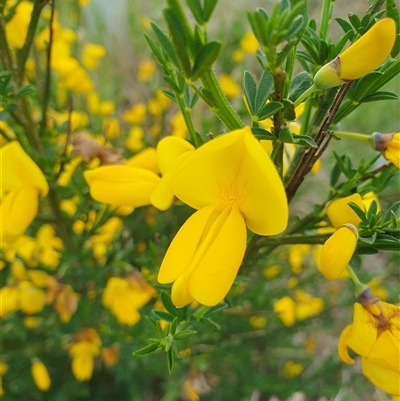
[19,169]
[183,246]
[169,149]
[368,52]
[234,167]
[342,345]
[17,211]
[385,379]
[339,212]
[337,252]
[216,271]
[146,159]
[122,185]
[386,351]
[392,152]
[40,375]
[180,294]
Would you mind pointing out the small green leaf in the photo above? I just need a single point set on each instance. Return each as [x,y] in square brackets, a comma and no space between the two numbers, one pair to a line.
[345,25]
[169,306]
[163,315]
[155,50]
[365,85]
[148,349]
[211,323]
[170,360]
[355,262]
[334,175]
[288,110]
[195,8]
[262,134]
[358,211]
[170,95]
[269,110]
[355,21]
[220,307]
[382,95]
[182,335]
[165,43]
[296,26]
[171,83]
[263,90]
[304,140]
[368,240]
[285,135]
[208,8]
[250,91]
[205,59]
[300,83]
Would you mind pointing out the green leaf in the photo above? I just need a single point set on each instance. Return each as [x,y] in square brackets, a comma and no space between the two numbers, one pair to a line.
[285,135]
[170,95]
[179,41]
[211,323]
[209,6]
[284,5]
[334,175]
[355,21]
[358,211]
[341,42]
[207,97]
[155,50]
[169,306]
[394,210]
[355,262]
[23,91]
[170,360]
[220,307]
[148,349]
[4,115]
[296,26]
[205,59]
[165,43]
[345,25]
[382,95]
[300,83]
[288,110]
[163,315]
[269,110]
[250,91]
[263,90]
[368,240]
[195,8]
[304,140]
[262,134]
[182,335]
[365,85]
[171,83]
[387,238]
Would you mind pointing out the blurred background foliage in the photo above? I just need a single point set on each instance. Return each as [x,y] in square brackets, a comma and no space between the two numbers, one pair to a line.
[276,338]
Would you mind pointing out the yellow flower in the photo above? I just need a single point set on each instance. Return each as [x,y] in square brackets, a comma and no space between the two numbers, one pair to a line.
[258,322]
[135,115]
[296,256]
[229,86]
[110,355]
[307,305]
[121,185]
[146,70]
[64,298]
[249,43]
[178,125]
[111,127]
[17,27]
[271,271]
[285,309]
[22,182]
[362,57]
[233,184]
[388,145]
[92,54]
[293,369]
[375,336]
[30,298]
[40,375]
[8,300]
[339,212]
[337,251]
[134,142]
[146,159]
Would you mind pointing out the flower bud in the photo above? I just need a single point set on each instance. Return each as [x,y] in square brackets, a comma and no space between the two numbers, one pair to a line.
[362,57]
[40,375]
[388,145]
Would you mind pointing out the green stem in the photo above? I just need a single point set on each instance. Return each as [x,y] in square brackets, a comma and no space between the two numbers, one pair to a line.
[222,107]
[352,135]
[326,14]
[5,53]
[188,120]
[360,287]
[313,88]
[22,55]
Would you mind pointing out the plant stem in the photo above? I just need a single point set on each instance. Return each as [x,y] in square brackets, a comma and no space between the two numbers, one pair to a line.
[326,13]
[222,108]
[352,135]
[360,287]
[313,88]
[5,53]
[291,58]
[188,120]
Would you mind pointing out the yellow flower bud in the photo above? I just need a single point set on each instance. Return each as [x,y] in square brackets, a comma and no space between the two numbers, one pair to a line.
[337,251]
[362,57]
[40,375]
[388,145]
[339,212]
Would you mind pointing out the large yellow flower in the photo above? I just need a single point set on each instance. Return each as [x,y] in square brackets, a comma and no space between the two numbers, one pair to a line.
[362,57]
[375,336]
[234,184]
[22,182]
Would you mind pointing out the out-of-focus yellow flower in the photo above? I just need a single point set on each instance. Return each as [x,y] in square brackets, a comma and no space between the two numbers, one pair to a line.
[22,182]
[232,183]
[31,322]
[121,185]
[134,142]
[146,159]
[3,368]
[307,305]
[92,54]
[388,145]
[285,309]
[337,251]
[83,352]
[40,375]
[18,270]
[17,27]
[158,104]
[111,127]
[238,55]
[249,43]
[375,285]
[39,277]
[135,115]
[229,86]
[339,212]
[8,300]
[64,298]
[31,299]
[65,177]
[271,271]
[110,355]
[362,57]
[48,246]
[296,256]
[293,369]
[83,3]
[124,296]
[258,322]
[69,206]
[146,70]
[178,126]
[375,336]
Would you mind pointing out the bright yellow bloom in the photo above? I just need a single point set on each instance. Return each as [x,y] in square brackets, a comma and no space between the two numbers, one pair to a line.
[135,115]
[8,300]
[285,309]
[22,182]
[146,159]
[229,86]
[171,151]
[307,305]
[339,212]
[375,336]
[362,57]
[92,54]
[233,183]
[388,145]
[249,43]
[296,256]
[337,251]
[121,185]
[40,375]
[146,70]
